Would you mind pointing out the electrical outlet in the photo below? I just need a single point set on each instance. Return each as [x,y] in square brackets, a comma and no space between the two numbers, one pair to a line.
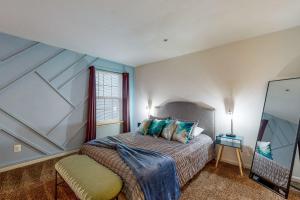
[17,148]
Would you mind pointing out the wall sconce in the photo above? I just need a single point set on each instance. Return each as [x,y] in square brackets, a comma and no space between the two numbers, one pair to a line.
[229,107]
[149,107]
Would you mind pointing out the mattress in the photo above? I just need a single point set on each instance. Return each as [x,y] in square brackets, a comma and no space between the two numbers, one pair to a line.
[189,158]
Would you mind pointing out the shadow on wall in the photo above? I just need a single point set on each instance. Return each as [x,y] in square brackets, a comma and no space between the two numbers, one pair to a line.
[291,70]
[229,105]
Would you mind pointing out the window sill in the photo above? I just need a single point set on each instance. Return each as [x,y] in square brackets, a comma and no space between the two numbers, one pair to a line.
[108,123]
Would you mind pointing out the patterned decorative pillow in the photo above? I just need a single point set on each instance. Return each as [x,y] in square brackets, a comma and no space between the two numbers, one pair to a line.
[156,127]
[183,131]
[264,149]
[143,128]
[191,135]
[169,129]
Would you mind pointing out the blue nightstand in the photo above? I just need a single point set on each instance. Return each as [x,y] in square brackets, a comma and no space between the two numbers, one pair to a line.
[233,142]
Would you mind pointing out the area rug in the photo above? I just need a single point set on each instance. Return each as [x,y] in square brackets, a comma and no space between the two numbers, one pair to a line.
[37,182]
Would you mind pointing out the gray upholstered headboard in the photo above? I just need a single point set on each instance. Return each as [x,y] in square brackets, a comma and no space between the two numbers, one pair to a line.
[190,111]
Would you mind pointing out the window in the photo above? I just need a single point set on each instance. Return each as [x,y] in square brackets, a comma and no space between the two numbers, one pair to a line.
[108,96]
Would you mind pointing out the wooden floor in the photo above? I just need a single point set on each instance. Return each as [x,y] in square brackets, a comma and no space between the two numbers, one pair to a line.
[36,182]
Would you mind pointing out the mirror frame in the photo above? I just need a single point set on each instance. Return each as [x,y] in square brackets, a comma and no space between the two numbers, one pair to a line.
[299,147]
[263,182]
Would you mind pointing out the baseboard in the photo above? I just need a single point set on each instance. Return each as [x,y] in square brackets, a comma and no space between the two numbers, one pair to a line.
[234,162]
[296,179]
[23,164]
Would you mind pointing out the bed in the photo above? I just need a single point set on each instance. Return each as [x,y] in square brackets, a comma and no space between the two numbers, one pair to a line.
[189,158]
[270,170]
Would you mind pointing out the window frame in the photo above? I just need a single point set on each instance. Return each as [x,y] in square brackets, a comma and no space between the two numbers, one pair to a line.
[98,97]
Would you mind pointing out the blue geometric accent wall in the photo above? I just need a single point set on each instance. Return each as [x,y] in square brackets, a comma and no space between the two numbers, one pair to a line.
[282,134]
[43,96]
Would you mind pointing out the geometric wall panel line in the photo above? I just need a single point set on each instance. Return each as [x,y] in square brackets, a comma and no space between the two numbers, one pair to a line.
[19,51]
[55,90]
[33,101]
[24,140]
[70,113]
[54,127]
[43,97]
[31,128]
[6,86]
[66,68]
[17,128]
[76,133]
[10,45]
[56,65]
[76,90]
[287,145]
[9,157]
[68,73]
[77,74]
[83,101]
[283,130]
[77,141]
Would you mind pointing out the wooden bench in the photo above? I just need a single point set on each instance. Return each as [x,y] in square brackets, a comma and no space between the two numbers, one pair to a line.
[87,178]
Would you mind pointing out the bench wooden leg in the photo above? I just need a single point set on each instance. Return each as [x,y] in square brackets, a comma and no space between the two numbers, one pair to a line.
[57,175]
[55,188]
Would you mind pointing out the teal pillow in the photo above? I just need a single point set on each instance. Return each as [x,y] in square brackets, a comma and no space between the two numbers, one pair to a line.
[264,149]
[183,131]
[156,127]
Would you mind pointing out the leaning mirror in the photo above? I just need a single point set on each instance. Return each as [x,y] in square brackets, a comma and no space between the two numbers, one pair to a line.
[278,136]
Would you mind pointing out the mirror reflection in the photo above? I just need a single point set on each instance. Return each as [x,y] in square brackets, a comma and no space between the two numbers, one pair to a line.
[277,138]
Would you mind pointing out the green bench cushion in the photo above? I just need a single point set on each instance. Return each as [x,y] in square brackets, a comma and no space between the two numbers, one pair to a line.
[88,179]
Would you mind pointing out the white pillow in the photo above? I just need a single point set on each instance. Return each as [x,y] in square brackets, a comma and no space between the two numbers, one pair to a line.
[197,131]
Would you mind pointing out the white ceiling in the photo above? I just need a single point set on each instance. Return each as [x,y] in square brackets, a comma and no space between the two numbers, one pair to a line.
[132,31]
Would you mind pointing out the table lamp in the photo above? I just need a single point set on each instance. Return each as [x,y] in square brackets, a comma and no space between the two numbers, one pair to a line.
[230,114]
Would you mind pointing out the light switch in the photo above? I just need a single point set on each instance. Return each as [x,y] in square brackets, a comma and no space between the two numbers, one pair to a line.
[17,148]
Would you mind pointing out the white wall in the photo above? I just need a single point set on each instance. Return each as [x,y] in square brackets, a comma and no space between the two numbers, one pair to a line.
[239,71]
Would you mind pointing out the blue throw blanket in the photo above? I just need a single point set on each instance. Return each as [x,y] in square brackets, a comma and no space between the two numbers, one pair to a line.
[155,172]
